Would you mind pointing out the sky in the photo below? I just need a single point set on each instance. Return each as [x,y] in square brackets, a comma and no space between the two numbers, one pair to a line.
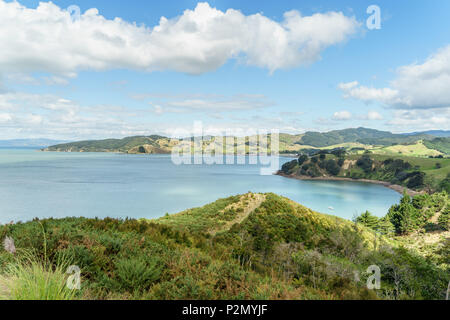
[80,69]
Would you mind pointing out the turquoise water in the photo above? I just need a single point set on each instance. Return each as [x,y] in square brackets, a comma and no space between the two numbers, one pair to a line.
[47,184]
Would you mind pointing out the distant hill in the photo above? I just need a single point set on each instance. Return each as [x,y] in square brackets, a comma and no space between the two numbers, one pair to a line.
[436,133]
[29,143]
[359,135]
[288,143]
[135,144]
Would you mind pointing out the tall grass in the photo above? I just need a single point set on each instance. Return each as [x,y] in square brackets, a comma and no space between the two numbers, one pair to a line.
[29,278]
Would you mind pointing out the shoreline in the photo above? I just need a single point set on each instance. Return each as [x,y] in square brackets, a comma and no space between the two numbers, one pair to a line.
[285,155]
[395,187]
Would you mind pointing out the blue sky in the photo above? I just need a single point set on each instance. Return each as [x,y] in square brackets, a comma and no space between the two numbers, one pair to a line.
[233,71]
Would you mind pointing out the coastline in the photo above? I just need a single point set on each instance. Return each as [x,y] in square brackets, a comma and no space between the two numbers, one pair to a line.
[395,187]
[284,155]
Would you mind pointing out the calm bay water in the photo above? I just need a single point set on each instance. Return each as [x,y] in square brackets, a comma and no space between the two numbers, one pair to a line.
[47,184]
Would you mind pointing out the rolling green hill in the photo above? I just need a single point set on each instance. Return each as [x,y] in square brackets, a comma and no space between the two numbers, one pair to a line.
[359,135]
[252,246]
[439,144]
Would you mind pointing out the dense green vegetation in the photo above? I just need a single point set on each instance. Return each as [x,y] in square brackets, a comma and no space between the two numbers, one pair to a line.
[420,223]
[431,174]
[423,213]
[253,246]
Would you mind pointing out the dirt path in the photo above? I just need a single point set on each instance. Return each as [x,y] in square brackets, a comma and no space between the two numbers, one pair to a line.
[249,202]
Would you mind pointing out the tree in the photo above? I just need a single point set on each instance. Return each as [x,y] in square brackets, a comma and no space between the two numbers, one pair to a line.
[369,220]
[288,166]
[402,215]
[385,226]
[302,159]
[416,179]
[332,167]
[365,163]
[141,149]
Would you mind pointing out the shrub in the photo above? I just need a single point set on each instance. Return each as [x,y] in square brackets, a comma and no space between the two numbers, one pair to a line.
[137,273]
[444,218]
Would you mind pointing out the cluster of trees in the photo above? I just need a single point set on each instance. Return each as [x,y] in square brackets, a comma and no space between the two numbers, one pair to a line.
[411,214]
[382,225]
[317,164]
[396,171]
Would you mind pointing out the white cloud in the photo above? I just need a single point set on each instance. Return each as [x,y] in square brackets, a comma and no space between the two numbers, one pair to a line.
[417,86]
[5,117]
[47,39]
[32,116]
[22,78]
[348,85]
[204,103]
[342,115]
[420,119]
[373,115]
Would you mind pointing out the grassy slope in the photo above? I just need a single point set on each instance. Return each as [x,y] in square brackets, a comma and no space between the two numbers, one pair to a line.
[417,149]
[440,144]
[427,165]
[252,246]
